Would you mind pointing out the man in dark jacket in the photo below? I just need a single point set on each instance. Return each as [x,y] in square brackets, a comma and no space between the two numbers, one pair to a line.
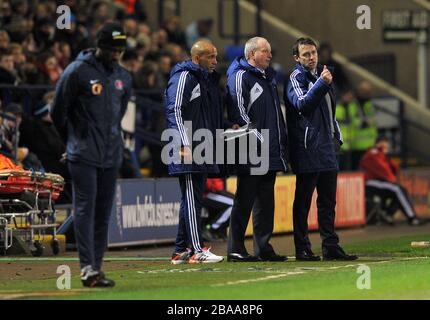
[253,101]
[314,138]
[89,103]
[192,96]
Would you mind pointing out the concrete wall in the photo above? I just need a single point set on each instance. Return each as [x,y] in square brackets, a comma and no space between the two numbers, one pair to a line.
[335,21]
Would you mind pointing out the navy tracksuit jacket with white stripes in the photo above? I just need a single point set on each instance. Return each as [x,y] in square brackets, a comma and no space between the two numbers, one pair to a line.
[253,98]
[192,94]
[311,143]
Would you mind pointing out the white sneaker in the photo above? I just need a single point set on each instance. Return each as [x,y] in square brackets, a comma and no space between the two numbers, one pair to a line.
[205,257]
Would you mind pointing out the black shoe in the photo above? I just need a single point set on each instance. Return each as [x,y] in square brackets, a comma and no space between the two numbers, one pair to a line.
[337,253]
[239,257]
[89,280]
[272,257]
[307,255]
[93,280]
[105,282]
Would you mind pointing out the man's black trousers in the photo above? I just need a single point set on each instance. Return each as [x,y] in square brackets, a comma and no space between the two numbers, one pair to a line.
[325,183]
[253,193]
[93,194]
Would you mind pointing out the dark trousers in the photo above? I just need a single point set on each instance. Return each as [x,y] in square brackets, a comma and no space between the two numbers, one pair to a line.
[394,192]
[93,195]
[253,193]
[326,183]
[189,229]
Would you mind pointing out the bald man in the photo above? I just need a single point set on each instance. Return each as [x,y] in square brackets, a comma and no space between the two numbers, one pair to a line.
[193,96]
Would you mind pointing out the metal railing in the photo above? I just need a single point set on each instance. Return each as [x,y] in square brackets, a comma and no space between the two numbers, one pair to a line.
[236,34]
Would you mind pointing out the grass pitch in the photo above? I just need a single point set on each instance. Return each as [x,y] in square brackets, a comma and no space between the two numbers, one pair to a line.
[397,271]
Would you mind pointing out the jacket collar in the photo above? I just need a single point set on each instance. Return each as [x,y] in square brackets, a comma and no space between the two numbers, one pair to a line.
[320,68]
[269,73]
[306,72]
[89,56]
[191,67]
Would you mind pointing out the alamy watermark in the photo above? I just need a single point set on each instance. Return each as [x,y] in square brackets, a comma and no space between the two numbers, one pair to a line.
[64,21]
[364,281]
[64,280]
[251,148]
[364,21]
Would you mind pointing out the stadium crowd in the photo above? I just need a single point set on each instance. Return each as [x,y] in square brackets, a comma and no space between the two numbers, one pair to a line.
[34,52]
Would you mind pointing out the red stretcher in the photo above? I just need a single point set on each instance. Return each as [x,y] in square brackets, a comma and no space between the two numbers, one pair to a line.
[27,208]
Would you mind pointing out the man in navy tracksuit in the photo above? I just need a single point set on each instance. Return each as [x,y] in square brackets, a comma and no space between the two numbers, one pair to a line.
[314,138]
[192,95]
[253,100]
[90,101]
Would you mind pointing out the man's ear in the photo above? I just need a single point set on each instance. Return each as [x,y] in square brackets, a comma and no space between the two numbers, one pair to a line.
[296,58]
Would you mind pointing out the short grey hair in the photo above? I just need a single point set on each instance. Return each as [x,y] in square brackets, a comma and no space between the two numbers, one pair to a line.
[251,45]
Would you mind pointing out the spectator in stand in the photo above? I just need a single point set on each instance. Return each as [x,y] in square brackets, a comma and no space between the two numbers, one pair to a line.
[143,46]
[165,64]
[44,32]
[63,53]
[381,179]
[131,30]
[50,68]
[44,10]
[10,139]
[144,28]
[4,40]
[131,61]
[5,13]
[175,34]
[19,57]
[31,74]
[340,80]
[147,75]
[133,8]
[8,73]
[159,41]
[99,13]
[177,53]
[199,29]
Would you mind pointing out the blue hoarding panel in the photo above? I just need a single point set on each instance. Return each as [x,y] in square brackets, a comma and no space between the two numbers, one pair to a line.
[145,210]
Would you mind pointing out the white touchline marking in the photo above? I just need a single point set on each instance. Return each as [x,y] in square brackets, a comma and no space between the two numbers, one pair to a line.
[258,279]
[279,273]
[282,275]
